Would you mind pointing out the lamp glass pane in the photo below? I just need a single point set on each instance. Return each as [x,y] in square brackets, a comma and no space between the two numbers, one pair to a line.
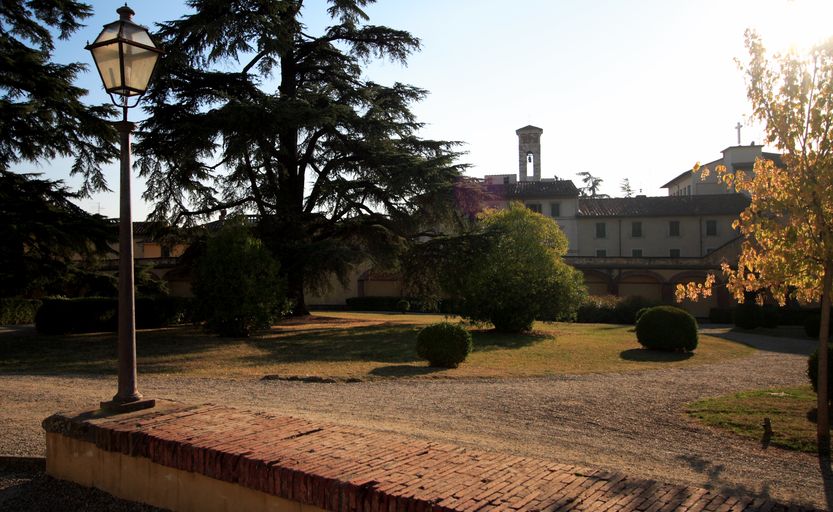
[138,62]
[111,31]
[137,34]
[138,66]
[107,60]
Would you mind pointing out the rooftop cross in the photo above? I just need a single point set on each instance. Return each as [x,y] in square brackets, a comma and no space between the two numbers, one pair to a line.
[738,127]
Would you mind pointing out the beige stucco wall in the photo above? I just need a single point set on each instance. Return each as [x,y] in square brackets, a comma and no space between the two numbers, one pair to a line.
[656,240]
[139,479]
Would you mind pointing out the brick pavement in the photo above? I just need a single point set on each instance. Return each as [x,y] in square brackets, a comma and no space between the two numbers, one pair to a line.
[342,468]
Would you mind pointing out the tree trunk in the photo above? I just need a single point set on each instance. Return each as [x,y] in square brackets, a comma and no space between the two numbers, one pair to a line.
[823,418]
[295,290]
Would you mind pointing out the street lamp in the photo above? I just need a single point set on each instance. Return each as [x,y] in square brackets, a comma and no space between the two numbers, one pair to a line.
[125,57]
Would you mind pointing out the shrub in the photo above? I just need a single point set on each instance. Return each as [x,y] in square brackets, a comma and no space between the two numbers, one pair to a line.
[403,306]
[87,314]
[749,315]
[518,275]
[155,312]
[813,371]
[445,345]
[18,311]
[667,328]
[640,313]
[237,287]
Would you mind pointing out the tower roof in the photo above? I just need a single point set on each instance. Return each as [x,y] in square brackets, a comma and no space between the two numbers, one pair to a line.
[529,128]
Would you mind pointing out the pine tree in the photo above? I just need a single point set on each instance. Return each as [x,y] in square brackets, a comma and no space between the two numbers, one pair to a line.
[46,237]
[42,112]
[592,184]
[626,188]
[251,113]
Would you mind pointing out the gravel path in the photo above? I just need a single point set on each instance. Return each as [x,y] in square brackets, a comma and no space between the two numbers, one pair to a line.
[631,422]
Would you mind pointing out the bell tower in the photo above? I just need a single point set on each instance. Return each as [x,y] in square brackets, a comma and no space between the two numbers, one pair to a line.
[529,152]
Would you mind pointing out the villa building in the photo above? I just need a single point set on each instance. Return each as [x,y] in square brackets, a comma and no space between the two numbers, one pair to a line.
[624,246]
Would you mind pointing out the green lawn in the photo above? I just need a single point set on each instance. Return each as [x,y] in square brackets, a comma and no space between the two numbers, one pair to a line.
[744,413]
[355,345]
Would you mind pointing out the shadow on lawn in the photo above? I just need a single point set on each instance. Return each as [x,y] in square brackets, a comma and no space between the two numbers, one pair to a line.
[96,353]
[170,350]
[654,356]
[486,340]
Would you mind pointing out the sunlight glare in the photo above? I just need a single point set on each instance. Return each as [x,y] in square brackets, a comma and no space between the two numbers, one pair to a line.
[794,24]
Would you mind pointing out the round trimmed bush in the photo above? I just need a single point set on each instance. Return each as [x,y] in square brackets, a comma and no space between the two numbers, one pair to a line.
[667,328]
[813,370]
[444,344]
[749,315]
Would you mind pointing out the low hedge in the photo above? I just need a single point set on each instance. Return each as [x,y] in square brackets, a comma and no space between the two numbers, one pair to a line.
[100,314]
[609,309]
[87,314]
[749,315]
[667,328]
[444,344]
[812,326]
[721,315]
[18,311]
[785,315]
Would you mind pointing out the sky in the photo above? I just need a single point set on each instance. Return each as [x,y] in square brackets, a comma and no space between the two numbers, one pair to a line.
[622,89]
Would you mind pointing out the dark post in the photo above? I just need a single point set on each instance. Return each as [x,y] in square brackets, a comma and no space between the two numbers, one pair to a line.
[128,397]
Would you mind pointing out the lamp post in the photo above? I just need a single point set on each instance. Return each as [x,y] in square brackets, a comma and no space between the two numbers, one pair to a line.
[125,57]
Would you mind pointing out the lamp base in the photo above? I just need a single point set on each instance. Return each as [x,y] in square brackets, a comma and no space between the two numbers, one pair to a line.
[114,407]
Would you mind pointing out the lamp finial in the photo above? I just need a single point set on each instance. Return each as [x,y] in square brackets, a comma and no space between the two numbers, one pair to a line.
[125,13]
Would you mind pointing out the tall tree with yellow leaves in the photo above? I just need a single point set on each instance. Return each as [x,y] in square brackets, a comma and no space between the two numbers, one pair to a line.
[788,225]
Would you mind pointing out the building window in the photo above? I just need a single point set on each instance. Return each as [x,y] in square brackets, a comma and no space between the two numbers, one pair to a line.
[674,228]
[535,207]
[675,253]
[601,253]
[636,229]
[688,190]
[601,230]
[555,209]
[636,253]
[506,180]
[711,228]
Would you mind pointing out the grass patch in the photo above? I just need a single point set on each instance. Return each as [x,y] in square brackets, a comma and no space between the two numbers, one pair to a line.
[354,345]
[744,413]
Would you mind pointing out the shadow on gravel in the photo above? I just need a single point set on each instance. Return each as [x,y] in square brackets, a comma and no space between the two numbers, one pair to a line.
[827,478]
[404,370]
[716,482]
[654,356]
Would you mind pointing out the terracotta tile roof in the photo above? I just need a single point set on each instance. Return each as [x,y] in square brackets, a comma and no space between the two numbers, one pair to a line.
[664,206]
[533,189]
